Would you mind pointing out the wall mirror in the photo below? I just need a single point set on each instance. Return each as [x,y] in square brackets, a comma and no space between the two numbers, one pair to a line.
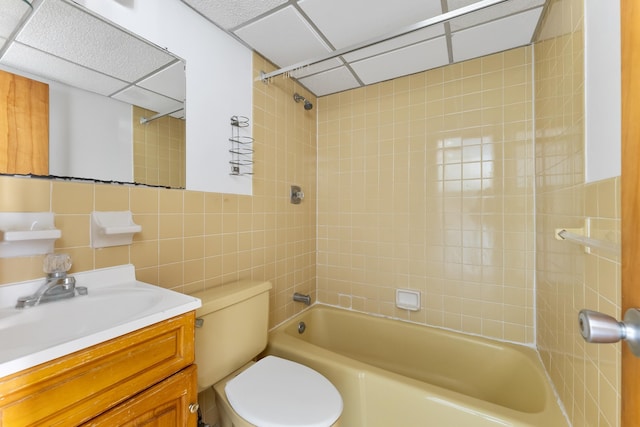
[116,102]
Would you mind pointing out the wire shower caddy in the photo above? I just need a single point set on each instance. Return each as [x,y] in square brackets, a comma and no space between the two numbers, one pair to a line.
[241,147]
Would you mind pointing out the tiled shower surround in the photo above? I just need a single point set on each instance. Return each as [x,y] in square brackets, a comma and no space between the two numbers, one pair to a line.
[431,182]
[426,182]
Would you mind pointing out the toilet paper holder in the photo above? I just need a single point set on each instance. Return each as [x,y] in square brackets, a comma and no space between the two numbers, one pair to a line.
[600,328]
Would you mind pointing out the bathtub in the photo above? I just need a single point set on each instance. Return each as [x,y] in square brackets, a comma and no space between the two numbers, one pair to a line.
[398,374]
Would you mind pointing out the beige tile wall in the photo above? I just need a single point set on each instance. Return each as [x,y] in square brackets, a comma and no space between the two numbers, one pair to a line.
[426,182]
[194,240]
[587,376]
[159,150]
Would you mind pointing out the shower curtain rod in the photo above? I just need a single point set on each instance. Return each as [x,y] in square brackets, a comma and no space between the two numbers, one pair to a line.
[145,120]
[406,30]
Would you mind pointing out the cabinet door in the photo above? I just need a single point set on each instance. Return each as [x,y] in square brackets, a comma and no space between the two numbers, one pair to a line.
[77,387]
[167,404]
[24,125]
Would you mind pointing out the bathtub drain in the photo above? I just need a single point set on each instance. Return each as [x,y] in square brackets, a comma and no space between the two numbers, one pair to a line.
[301,327]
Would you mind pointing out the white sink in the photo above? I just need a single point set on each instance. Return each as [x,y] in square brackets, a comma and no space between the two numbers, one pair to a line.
[116,304]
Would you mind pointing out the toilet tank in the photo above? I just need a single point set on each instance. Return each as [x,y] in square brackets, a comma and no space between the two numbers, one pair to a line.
[234,329]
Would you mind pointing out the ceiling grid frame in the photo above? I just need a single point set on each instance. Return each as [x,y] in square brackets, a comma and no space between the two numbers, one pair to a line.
[344,68]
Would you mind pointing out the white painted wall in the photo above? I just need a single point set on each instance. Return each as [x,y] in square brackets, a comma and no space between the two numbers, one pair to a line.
[602,89]
[219,81]
[90,136]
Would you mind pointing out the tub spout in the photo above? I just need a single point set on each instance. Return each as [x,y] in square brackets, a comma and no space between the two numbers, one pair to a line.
[302,298]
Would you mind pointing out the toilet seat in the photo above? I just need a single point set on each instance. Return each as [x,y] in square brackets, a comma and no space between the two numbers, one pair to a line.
[276,392]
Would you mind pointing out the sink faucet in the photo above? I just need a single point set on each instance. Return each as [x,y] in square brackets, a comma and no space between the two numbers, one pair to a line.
[58,285]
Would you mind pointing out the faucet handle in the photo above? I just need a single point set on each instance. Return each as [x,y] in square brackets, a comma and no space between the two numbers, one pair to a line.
[56,263]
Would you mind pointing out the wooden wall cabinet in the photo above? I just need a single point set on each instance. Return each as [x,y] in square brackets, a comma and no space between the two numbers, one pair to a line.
[24,125]
[145,377]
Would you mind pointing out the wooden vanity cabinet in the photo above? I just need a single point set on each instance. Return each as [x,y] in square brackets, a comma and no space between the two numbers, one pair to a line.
[144,377]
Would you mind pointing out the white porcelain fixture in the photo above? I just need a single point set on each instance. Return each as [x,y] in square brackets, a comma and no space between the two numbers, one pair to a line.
[408,299]
[27,233]
[116,304]
[112,228]
[272,392]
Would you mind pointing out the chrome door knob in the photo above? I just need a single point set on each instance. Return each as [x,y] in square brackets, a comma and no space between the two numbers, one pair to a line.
[596,327]
[193,408]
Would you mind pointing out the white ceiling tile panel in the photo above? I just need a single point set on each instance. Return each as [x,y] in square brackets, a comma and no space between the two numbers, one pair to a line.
[399,42]
[147,99]
[169,81]
[38,63]
[495,36]
[422,56]
[488,14]
[331,81]
[284,37]
[54,28]
[346,23]
[229,14]
[11,14]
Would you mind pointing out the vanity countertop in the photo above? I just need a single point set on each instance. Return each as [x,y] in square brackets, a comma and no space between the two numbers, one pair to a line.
[116,304]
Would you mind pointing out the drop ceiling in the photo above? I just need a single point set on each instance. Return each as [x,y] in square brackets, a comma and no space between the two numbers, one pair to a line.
[56,40]
[295,32]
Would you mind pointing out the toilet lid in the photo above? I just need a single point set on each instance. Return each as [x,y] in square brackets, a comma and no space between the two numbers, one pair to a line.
[276,392]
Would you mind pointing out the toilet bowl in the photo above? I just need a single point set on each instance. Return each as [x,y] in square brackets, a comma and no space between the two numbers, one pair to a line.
[272,392]
[276,392]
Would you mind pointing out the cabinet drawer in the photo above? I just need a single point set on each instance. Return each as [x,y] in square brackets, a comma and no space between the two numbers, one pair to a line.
[165,404]
[79,386]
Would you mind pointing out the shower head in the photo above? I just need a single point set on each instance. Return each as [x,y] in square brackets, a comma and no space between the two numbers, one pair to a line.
[298,98]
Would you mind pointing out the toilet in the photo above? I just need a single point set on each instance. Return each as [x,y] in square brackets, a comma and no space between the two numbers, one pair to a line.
[231,330]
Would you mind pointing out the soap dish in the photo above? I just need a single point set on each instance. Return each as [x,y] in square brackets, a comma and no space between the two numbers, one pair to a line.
[112,229]
[27,233]
[408,299]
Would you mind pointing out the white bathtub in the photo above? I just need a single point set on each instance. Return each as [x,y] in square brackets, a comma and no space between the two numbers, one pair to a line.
[398,374]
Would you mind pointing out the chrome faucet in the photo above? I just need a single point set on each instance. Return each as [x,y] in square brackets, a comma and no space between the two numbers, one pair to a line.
[302,298]
[58,284]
